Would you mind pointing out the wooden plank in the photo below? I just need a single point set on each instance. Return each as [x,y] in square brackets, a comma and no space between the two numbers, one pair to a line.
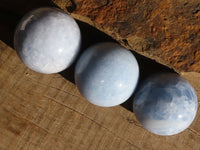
[47,112]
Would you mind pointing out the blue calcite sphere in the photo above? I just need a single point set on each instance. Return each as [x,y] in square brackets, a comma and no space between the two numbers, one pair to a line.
[47,40]
[165,104]
[106,74]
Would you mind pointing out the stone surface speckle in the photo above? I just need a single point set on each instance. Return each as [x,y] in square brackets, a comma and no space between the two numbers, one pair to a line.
[47,40]
[165,104]
[107,74]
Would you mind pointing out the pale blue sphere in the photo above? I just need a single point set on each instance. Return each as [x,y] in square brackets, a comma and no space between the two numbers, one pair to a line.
[165,104]
[106,74]
[47,40]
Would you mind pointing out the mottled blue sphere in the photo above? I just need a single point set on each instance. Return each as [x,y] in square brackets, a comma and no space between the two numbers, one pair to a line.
[106,74]
[165,104]
[47,40]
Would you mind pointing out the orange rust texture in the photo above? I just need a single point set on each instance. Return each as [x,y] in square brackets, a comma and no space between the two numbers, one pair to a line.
[170,29]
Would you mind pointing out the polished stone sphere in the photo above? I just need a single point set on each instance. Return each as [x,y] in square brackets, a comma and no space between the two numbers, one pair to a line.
[47,40]
[106,74]
[165,104]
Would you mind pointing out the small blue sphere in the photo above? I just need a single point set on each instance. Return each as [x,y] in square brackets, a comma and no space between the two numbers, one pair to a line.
[47,40]
[107,74]
[165,104]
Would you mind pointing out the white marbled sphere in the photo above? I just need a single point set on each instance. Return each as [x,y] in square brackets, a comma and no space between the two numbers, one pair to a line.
[165,104]
[47,40]
[106,74]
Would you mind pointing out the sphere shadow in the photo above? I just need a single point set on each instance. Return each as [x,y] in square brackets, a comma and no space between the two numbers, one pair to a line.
[90,36]
[8,23]
[147,67]
[11,13]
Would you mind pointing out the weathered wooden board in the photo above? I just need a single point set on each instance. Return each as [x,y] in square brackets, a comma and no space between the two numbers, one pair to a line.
[165,30]
[47,112]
